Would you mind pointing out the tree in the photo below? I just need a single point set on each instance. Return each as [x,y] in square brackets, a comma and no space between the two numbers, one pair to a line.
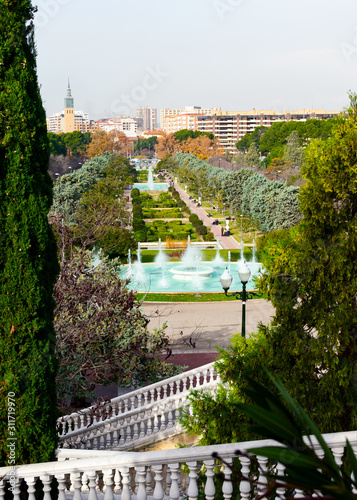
[167,145]
[311,279]
[57,144]
[294,153]
[114,141]
[252,158]
[28,262]
[102,336]
[77,142]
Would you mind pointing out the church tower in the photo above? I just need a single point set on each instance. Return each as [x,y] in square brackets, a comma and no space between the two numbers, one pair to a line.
[69,111]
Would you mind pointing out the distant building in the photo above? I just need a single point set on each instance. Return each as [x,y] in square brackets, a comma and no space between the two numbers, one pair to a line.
[147,118]
[125,124]
[168,121]
[230,126]
[69,120]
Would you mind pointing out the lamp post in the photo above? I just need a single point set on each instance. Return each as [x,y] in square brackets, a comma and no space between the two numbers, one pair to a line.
[226,280]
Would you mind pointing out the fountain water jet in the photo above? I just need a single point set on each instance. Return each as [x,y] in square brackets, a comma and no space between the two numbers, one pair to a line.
[150,179]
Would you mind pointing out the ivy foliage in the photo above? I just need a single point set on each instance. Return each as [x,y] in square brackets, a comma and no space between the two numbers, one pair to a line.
[28,263]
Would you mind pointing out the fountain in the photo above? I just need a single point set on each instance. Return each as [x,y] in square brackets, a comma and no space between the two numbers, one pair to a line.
[150,179]
[190,275]
[191,267]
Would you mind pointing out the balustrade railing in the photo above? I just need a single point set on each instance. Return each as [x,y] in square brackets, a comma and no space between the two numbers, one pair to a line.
[142,416]
[169,474]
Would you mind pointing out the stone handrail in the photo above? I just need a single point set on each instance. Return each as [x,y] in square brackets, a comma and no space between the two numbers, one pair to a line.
[141,413]
[169,474]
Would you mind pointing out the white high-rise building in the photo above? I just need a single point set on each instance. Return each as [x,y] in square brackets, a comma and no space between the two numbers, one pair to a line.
[148,116]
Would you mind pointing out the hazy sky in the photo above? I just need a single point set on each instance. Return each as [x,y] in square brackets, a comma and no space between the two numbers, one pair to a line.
[233,54]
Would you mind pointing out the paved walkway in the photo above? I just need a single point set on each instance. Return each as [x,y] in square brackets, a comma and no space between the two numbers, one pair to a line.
[227,242]
[206,324]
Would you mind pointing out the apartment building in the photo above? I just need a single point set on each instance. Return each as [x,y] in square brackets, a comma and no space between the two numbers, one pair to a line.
[229,127]
[147,117]
[170,118]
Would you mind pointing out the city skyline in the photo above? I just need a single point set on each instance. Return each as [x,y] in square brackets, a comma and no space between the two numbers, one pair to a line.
[232,54]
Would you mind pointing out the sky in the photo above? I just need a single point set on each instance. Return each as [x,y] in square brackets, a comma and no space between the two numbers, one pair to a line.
[238,55]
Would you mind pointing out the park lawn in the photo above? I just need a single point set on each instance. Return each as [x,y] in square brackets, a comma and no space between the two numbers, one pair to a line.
[187,297]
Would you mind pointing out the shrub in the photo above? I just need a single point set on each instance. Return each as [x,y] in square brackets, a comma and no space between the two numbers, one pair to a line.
[135,193]
[201,230]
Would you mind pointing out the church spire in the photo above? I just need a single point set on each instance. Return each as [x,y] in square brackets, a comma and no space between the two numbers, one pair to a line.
[69,101]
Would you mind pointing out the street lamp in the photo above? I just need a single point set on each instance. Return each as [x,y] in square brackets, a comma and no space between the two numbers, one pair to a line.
[226,280]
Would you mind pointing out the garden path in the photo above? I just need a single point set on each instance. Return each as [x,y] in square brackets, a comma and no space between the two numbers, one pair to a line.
[227,242]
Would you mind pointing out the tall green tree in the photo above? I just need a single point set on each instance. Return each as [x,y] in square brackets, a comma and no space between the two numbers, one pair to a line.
[252,158]
[293,152]
[311,279]
[28,262]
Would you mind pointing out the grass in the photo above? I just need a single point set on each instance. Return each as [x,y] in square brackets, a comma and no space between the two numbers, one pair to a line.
[186,297]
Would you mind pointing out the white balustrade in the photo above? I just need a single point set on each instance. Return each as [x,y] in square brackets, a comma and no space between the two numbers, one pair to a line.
[127,421]
[166,474]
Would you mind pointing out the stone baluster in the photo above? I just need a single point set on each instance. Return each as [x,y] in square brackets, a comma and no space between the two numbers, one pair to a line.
[174,471]
[125,493]
[148,481]
[16,490]
[156,420]
[136,431]
[81,418]
[280,472]
[170,416]
[338,454]
[92,476]
[205,377]
[146,395]
[163,412]
[101,431]
[121,431]
[2,489]
[128,437]
[172,385]
[141,476]
[210,488]
[115,434]
[152,395]
[46,481]
[117,482]
[76,485]
[108,484]
[61,478]
[192,490]
[158,490]
[85,487]
[164,395]
[75,420]
[149,423]
[132,402]
[227,487]
[31,488]
[142,424]
[262,480]
[126,407]
[354,490]
[320,453]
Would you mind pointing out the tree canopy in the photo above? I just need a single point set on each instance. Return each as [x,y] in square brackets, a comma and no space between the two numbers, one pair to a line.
[28,259]
[311,279]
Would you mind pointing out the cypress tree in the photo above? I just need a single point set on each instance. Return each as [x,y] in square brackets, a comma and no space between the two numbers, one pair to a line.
[28,261]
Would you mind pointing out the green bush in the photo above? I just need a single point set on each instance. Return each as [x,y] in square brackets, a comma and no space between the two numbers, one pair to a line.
[193,217]
[135,193]
[209,236]
[141,235]
[201,230]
